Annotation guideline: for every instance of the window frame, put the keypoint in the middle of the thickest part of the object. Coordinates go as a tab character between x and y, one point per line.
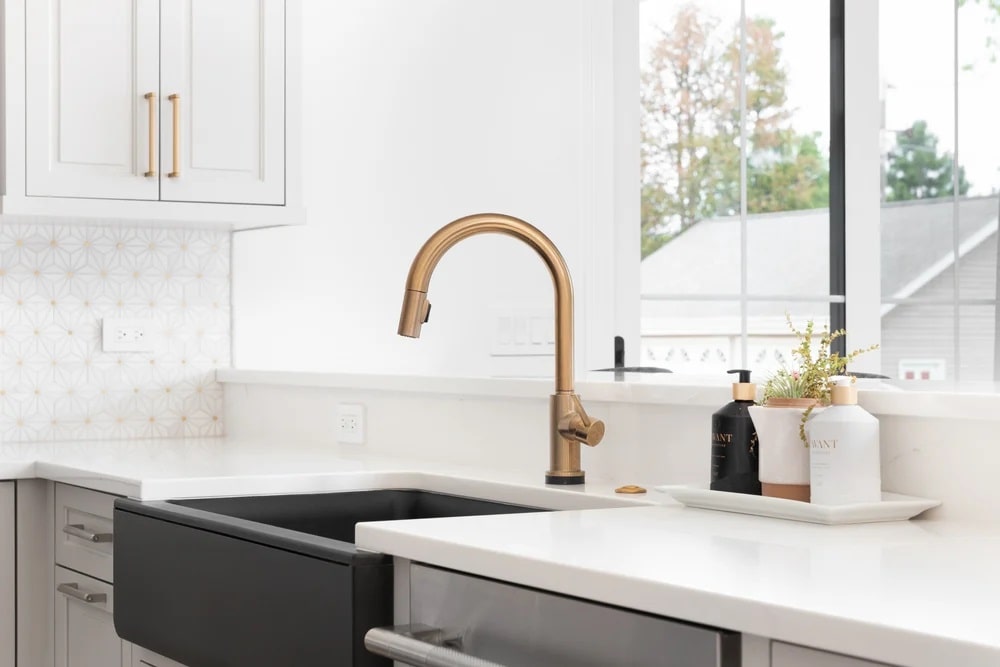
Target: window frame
856	299
863	197
841	163
838	241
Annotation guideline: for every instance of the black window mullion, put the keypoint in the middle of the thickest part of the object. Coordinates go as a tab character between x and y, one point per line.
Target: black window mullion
838	241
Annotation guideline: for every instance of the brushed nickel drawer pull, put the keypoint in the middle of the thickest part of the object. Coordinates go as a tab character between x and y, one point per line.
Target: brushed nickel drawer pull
79	530
73	591
399	644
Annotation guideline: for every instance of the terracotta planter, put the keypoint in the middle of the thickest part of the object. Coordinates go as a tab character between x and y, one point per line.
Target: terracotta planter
783	457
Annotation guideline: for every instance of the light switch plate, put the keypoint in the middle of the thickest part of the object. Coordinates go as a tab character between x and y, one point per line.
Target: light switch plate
126	335
523	332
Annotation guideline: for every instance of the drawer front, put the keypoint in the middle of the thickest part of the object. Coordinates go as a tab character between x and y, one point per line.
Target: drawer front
85	631
84	534
519	626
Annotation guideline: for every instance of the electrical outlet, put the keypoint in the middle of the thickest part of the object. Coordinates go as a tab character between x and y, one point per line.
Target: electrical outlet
351	423
121	335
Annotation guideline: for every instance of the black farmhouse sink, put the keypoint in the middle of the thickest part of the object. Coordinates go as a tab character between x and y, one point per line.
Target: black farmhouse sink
263	580
334	515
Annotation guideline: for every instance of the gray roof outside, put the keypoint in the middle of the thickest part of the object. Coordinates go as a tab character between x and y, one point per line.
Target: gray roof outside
788	254
927	331
918	233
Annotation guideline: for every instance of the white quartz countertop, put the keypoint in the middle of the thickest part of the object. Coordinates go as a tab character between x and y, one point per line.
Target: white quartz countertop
916	593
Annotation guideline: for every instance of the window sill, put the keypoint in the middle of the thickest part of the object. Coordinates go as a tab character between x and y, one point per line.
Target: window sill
940	400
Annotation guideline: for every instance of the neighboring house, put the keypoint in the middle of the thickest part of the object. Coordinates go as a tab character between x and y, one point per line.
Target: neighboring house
789	256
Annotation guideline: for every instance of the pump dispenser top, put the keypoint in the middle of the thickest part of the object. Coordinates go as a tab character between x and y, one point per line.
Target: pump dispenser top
744	390
843	392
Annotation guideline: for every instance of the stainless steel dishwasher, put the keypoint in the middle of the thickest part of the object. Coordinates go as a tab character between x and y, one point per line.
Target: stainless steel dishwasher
458	620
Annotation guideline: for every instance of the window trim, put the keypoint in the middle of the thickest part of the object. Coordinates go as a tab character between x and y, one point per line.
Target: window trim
862	180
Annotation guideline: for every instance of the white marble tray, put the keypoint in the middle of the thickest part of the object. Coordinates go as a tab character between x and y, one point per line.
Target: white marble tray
894	507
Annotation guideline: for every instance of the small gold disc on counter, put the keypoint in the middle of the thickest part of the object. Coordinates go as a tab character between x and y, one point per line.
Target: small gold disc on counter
630	488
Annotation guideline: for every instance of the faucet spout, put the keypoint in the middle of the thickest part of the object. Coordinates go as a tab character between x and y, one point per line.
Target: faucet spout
570	424
416	310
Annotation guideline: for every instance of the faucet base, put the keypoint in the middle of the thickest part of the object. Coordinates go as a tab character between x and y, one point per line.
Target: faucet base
565	480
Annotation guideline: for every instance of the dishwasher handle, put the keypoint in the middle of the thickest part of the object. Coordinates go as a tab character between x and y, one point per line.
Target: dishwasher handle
400	644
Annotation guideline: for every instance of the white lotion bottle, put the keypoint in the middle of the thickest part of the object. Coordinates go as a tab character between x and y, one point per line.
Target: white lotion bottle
844	464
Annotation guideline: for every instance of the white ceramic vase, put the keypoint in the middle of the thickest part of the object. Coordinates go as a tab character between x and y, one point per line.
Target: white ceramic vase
783	456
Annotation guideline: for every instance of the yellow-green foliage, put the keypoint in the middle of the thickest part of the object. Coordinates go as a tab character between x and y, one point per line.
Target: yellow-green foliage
811	379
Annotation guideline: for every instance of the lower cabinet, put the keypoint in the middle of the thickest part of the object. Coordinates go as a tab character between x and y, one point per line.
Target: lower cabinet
83	538
84	625
8	574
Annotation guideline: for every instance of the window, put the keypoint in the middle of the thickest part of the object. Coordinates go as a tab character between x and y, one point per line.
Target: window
736	180
744	208
940	180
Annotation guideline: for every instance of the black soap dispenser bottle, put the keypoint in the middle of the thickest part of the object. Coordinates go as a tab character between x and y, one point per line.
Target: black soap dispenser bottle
734	441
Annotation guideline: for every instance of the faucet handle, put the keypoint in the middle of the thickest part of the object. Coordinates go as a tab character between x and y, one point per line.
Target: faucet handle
577	425
593	433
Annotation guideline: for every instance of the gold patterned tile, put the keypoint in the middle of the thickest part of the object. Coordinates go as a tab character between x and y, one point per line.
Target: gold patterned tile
56	284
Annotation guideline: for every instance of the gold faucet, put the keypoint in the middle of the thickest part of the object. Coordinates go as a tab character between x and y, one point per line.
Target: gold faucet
570	424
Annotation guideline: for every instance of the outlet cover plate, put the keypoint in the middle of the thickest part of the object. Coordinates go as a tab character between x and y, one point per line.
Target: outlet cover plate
350	423
126	335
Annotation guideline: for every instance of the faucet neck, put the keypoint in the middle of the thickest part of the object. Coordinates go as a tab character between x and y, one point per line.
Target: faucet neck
497	223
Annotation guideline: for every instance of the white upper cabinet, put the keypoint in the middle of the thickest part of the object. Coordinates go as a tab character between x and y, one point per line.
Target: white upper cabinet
87	72
159	110
223	74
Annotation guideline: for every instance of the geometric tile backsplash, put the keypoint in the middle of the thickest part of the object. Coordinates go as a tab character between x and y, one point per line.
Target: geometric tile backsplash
58	281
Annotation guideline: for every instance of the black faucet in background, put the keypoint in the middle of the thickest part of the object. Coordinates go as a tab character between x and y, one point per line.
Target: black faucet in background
620	368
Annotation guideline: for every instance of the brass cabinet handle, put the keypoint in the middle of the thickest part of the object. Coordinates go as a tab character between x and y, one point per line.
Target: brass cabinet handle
151	98
176	100
73	591
78	530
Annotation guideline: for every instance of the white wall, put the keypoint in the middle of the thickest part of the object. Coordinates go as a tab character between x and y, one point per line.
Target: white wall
646	444
418	112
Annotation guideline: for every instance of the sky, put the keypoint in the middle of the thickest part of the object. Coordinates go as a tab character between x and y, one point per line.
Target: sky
917	68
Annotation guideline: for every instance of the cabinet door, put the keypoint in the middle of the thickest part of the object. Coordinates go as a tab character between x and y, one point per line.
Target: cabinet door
87	121
85	628
223	106
7	574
